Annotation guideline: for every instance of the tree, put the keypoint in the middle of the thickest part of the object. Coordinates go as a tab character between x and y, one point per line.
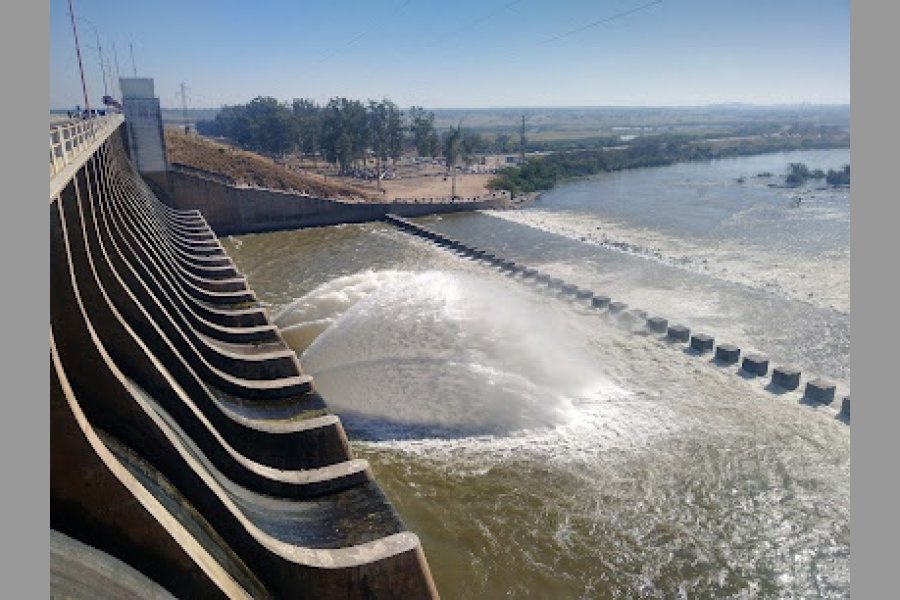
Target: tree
434	144
841	177
308	125
263	125
502	143
395	132
797	174
452	146
422	129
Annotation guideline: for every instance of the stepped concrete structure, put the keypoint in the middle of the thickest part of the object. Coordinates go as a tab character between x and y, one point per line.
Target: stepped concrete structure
190	454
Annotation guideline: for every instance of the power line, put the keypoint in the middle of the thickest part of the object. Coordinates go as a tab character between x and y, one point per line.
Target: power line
477	21
364	33
601	21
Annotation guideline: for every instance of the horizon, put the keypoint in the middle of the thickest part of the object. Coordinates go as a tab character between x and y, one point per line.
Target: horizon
549	107
507	54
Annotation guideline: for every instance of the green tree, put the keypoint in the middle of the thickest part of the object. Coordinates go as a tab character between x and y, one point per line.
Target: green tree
422	129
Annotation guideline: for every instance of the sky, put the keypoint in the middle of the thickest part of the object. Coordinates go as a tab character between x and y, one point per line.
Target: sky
461	53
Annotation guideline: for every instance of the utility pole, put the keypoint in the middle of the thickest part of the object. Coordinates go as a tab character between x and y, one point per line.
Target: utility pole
87	104
102	68
131	49
118	76
184	113
522	141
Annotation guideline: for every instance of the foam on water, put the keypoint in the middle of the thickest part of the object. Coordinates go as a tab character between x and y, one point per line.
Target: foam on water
822	281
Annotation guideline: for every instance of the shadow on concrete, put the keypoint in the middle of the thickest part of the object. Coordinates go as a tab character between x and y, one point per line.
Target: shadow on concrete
807	401
777	389
747	374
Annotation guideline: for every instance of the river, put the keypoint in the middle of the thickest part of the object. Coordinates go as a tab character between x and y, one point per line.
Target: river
541	449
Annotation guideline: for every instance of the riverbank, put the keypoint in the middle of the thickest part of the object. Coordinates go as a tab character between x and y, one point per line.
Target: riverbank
544	172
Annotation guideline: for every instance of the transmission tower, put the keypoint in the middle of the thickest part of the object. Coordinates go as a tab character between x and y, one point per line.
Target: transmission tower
522	141
131	50
184	110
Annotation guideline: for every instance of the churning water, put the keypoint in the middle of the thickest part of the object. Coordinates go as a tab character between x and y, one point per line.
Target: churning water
542	450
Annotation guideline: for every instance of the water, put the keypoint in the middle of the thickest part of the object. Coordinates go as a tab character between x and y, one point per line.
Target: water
541	450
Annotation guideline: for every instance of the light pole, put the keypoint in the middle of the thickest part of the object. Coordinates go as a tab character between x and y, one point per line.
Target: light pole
87	104
100	53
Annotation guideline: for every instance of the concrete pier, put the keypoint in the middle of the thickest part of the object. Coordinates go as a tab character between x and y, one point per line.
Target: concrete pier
702	342
819	390
678	333
599	301
657	324
787	377
727	353
755	364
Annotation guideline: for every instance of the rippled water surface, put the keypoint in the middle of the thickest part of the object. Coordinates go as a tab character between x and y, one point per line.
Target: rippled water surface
542	450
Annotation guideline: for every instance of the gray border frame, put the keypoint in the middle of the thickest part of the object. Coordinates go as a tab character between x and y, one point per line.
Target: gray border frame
874	290
25	52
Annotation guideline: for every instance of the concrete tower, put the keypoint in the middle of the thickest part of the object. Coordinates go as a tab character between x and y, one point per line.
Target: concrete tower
143	121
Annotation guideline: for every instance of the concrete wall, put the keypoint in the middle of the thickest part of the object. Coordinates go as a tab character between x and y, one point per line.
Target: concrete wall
233	210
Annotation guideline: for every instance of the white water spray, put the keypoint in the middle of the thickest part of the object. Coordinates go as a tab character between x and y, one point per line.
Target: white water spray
442	353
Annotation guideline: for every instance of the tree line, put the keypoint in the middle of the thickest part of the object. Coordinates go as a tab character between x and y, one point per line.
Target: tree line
798	173
543	172
343	131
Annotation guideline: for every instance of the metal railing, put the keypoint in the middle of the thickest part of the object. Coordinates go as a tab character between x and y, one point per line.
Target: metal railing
70	139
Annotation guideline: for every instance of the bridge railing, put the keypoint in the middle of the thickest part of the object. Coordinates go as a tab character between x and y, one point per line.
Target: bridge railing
70	139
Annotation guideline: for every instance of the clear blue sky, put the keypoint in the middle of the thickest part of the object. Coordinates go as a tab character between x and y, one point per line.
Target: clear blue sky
464	53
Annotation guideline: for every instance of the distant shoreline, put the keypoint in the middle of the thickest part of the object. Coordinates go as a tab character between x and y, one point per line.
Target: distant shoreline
580	163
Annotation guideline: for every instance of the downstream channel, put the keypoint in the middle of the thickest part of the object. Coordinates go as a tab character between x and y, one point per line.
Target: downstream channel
541	449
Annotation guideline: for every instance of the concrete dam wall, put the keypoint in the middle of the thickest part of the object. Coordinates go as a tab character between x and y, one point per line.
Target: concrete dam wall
189	450
229	209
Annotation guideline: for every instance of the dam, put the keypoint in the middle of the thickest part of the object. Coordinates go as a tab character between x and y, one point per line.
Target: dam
190	452
513	404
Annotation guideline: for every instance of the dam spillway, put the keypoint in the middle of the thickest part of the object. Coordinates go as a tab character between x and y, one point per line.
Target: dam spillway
186	441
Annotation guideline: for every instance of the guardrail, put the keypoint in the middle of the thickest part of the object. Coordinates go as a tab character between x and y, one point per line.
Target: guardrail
69	140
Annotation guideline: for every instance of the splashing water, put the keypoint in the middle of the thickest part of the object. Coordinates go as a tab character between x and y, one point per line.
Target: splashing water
441	354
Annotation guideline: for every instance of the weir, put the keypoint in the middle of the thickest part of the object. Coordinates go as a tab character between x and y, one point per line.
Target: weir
189	450
785	378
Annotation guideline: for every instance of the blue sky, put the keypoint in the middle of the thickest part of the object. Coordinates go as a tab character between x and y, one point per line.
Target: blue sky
464	53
